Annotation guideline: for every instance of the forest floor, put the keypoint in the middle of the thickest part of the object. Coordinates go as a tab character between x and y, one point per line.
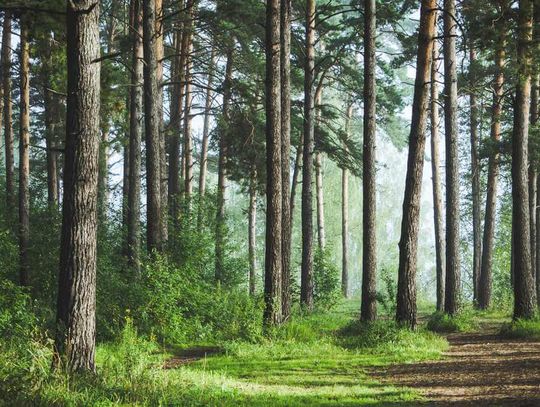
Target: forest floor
480	368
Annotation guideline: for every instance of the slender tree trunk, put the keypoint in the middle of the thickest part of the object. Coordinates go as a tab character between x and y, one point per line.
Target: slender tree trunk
206	127
436	180
524	292
51	120
286	228
135	138
345	214
533	178
188	142
306	283
369	243
273	258
296	174
321	235
24	156
475	179
484	292
222	175
252	238
452	294
163	170
408	245
8	111
76	323
154	230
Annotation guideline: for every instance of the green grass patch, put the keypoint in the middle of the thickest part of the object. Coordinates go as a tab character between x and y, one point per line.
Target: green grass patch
319	359
522	328
465	321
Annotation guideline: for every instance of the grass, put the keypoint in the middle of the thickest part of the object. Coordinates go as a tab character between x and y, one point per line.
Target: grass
320	359
522	328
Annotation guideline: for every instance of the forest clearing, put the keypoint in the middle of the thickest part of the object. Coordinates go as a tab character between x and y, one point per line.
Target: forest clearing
269	203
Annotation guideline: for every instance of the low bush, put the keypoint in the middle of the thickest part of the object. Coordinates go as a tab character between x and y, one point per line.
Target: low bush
444	323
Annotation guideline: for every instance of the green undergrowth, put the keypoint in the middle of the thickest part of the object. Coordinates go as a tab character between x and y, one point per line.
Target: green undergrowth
320	359
522	328
464	321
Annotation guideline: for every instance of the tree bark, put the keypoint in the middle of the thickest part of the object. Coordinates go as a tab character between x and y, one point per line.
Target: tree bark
163	170
436	180
135	139
296	174
475	179
345	214
533	178
368	311
8	112
154	230
452	287
222	174
408	245
76	328
524	292
24	156
273	258
485	284
252	238
306	283
286	229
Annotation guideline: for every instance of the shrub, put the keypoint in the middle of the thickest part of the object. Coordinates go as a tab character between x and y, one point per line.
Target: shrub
326	287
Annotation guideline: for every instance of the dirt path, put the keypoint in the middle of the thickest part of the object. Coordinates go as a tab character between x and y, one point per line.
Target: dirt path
479	369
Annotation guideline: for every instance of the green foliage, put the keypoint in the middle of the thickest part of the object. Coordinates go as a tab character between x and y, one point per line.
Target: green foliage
462	322
522	328
326	290
388	297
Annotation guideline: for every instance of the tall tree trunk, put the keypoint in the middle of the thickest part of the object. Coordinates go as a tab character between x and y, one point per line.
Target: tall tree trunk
163	170
154	235
436	180
475	178
206	126
135	138
306	283
524	292
8	111
286	228
252	238
484	292
408	245
76	323
176	121
321	235
452	287
369	242
222	175
188	142
273	258
51	119
24	157
533	179
345	214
